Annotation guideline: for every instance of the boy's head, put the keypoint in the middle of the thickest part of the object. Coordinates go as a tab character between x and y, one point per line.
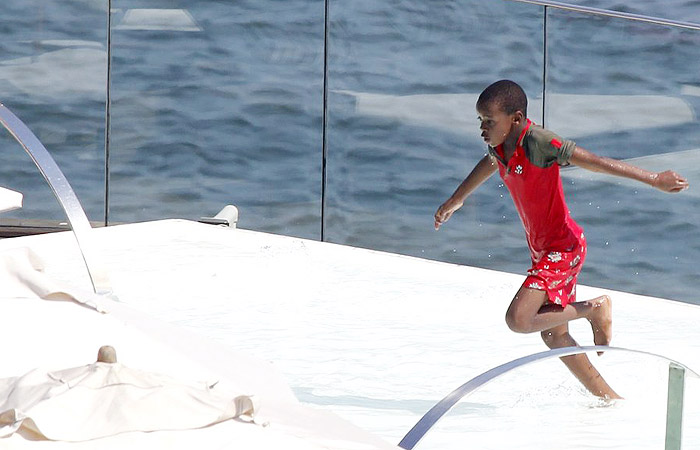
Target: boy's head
507	95
502	109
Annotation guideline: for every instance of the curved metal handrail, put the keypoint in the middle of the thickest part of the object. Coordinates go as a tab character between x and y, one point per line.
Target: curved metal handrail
614	14
443	406
62	190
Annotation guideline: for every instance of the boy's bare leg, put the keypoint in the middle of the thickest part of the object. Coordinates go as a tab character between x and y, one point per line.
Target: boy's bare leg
579	365
531	311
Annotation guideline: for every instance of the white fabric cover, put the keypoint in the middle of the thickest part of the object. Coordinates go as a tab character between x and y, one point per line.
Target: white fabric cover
22	276
103	399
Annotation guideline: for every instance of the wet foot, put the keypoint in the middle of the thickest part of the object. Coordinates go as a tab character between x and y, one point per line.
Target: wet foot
601	320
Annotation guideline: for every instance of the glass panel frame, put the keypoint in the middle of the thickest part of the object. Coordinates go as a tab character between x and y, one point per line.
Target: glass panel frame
629	99
402	126
54	78
217	103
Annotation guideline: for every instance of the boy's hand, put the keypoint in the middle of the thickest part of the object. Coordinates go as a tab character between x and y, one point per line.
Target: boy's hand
445	211
670	181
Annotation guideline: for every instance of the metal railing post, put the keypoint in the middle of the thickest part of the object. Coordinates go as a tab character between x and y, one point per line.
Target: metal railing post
64	194
324	131
674	409
544	66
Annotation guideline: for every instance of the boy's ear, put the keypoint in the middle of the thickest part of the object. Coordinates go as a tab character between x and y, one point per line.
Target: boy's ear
518	117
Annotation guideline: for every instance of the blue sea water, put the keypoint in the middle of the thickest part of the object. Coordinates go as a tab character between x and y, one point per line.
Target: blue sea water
218	102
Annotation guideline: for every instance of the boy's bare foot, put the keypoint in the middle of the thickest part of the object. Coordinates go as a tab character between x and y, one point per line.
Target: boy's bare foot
601	320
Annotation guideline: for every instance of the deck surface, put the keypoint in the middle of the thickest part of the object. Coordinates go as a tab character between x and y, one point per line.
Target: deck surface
379	338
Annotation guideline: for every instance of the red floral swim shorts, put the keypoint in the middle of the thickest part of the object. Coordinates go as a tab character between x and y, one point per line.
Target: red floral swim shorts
557	272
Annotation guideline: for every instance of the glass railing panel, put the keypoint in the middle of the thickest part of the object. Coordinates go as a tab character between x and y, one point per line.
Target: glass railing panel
217	103
403	132
630	90
53	73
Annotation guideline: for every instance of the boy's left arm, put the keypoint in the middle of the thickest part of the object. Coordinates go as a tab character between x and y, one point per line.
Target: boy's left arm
668	181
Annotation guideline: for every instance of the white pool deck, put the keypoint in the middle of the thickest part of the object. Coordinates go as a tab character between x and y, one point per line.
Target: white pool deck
377	338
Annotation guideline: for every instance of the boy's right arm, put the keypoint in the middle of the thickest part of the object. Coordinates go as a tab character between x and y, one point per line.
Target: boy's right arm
481	172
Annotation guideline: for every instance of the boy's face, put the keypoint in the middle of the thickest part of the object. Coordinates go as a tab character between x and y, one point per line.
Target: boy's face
496	125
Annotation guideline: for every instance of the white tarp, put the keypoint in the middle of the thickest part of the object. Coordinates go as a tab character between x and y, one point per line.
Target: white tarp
105	399
22	276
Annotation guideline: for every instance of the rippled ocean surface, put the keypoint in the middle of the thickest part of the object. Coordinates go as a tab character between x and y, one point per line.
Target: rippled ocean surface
217	102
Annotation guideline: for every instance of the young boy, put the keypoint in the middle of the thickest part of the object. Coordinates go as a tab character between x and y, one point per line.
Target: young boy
528	159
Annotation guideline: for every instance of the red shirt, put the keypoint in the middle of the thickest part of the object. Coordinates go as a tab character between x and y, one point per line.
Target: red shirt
532	177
